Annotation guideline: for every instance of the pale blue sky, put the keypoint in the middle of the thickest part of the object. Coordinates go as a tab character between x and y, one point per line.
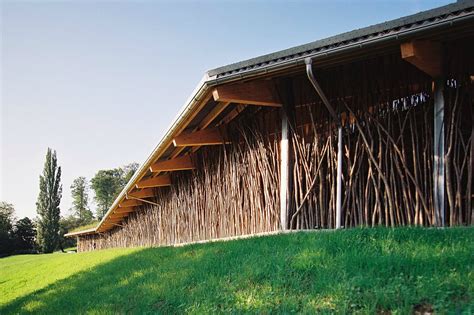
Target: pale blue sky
101	81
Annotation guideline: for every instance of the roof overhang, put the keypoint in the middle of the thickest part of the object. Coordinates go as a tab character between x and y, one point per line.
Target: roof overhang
362	41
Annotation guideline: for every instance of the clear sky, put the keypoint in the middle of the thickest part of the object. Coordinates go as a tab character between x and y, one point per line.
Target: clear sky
100	82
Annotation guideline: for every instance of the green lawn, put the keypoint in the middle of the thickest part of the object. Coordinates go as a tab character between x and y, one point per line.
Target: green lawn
355	271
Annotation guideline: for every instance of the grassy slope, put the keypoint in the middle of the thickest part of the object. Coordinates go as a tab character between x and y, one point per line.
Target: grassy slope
360	270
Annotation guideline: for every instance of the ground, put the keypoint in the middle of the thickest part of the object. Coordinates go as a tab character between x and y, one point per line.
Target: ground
401	270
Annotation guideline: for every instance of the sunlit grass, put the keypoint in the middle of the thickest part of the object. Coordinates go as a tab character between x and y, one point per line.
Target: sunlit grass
353	271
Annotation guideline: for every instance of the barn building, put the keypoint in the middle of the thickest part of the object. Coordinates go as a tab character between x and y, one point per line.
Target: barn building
370	127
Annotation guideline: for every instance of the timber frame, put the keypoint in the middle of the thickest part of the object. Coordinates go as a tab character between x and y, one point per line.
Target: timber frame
268	84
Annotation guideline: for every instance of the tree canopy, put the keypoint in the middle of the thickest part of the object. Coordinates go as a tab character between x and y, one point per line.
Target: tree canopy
80	200
107	184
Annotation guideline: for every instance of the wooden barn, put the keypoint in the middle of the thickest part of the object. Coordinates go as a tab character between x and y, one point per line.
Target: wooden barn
370	127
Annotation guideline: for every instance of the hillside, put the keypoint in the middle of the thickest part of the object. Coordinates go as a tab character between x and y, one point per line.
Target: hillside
359	270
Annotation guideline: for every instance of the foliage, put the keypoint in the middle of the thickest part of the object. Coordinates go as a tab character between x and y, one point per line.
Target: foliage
378	270
66	224
91	225
6	224
107	184
128	171
48	203
80	199
24	234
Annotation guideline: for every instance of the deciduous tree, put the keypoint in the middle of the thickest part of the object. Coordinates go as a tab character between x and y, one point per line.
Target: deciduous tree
48	202
80	200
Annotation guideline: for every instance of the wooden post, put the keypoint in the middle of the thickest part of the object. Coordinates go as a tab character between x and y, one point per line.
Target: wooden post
339	179
284	171
438	151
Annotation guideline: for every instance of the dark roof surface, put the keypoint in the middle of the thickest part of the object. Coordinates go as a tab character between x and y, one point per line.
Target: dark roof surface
351	37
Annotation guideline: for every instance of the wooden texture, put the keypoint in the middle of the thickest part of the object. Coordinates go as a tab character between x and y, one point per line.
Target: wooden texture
177	164
158	181
144	193
130	203
124	209
260	93
425	55
210	136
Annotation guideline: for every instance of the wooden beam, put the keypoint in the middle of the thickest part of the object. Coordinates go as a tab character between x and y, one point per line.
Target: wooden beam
260	93
425	55
232	114
177	164
158	181
144	193
219	108
119	215
130	203
210	136
124	210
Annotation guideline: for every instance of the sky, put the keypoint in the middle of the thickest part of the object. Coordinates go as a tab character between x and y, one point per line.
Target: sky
101	81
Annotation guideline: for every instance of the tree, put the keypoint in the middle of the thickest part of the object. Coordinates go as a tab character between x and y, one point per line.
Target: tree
48	202
66	224
6	224
80	200
107	184
24	233
128	171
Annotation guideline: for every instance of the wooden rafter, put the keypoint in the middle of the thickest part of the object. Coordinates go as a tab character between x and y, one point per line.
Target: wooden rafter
210	136
425	55
144	193
158	181
124	210
130	203
260	93
177	164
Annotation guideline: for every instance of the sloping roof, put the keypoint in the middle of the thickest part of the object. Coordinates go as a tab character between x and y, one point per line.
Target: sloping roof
442	17
352	37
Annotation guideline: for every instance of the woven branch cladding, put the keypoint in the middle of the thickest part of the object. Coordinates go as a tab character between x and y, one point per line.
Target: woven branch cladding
386	107
234	191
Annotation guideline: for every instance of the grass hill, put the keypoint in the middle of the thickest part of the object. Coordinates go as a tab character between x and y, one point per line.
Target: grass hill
401	270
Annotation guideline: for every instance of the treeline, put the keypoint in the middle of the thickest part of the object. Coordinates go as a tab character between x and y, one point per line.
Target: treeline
45	233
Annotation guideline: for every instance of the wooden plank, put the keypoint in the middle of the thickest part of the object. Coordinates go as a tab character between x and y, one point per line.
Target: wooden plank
425	55
118	215
144	193
232	114
177	164
124	209
260	93
219	108
130	203
158	181
210	136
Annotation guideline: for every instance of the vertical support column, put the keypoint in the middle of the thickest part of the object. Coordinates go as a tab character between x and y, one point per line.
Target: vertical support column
284	171
438	151
339	179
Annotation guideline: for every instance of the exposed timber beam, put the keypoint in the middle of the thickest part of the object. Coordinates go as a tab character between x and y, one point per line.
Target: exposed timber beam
124	210
130	203
260	93
210	136
144	193
216	111
425	55
177	164
158	181
118	215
